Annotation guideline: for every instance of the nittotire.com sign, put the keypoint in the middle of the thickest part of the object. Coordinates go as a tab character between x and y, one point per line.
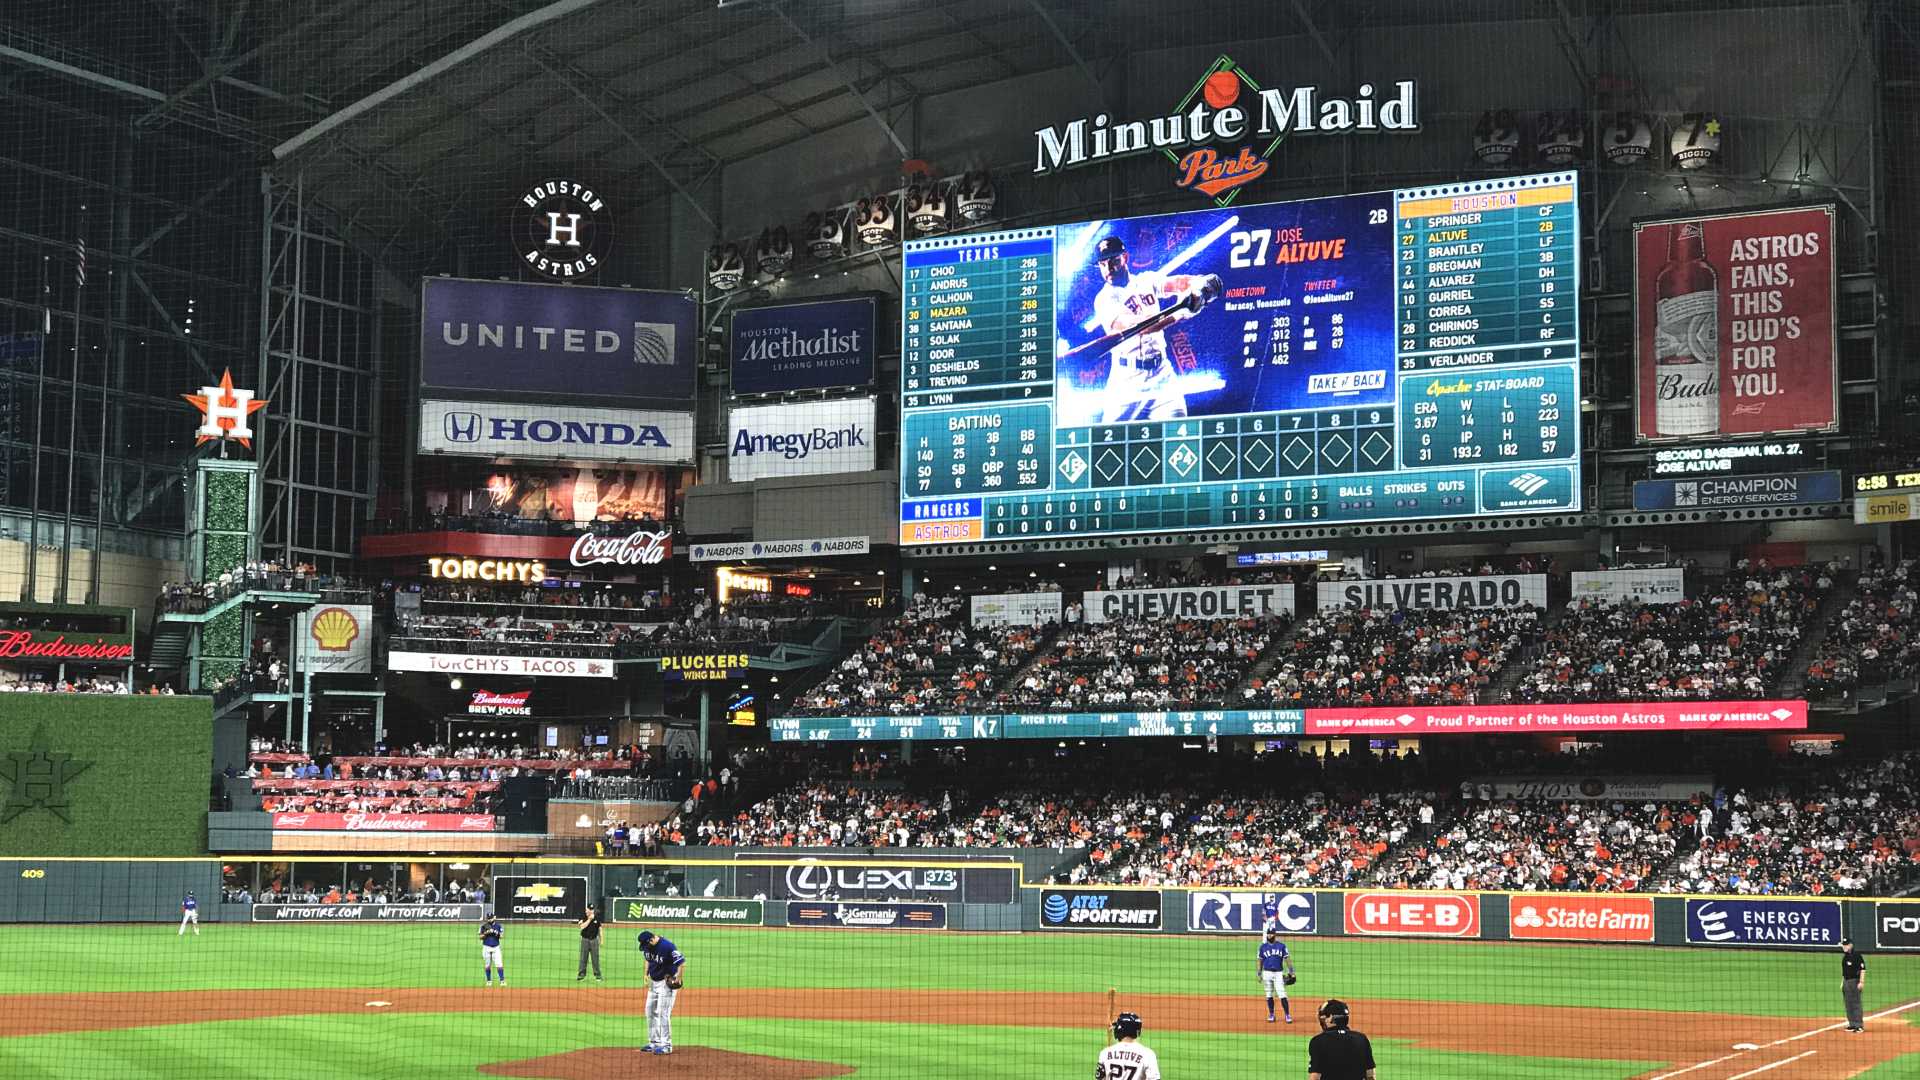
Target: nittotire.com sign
367	912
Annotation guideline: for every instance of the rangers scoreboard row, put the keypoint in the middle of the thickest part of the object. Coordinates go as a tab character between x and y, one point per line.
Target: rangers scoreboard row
1387	356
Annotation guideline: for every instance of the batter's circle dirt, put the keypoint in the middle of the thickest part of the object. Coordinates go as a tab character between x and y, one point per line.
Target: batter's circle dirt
624	1061
1676	1039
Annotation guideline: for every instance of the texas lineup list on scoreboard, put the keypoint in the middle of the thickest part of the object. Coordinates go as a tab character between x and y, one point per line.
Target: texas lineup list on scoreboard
1386	356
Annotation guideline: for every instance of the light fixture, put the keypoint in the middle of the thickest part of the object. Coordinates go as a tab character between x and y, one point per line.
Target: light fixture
458	866
583	822
454	683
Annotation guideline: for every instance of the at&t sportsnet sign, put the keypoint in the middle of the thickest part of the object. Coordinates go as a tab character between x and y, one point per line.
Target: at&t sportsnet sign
1227	106
1100	909
1797	924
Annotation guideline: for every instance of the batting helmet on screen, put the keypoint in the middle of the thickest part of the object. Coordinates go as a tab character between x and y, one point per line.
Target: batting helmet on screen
1335	1011
1126	1026
1110	254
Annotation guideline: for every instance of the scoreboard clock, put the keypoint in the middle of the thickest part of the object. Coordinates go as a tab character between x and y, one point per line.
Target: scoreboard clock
1382	357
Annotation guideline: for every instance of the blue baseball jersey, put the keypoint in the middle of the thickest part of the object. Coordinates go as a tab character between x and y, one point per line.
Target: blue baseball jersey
490	932
1273	955
663	959
189	904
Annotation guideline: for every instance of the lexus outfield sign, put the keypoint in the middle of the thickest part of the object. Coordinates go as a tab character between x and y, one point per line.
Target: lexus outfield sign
555	432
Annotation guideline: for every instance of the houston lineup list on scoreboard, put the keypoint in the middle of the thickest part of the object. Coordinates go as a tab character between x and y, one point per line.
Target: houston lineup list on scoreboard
1388	356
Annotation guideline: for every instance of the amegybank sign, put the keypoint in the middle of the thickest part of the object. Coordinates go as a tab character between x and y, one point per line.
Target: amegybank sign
800	439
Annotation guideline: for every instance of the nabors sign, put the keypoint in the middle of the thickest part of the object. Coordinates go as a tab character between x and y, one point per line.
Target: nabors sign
1227	106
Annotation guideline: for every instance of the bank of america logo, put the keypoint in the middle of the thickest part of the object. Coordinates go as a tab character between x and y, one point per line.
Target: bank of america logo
462	427
653	343
1528	484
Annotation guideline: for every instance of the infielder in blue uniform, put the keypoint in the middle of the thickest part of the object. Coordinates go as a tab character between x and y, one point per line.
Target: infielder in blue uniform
490	956
664	965
1276	971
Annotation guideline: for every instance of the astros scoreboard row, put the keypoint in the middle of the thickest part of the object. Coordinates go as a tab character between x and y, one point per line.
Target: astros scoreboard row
1388	356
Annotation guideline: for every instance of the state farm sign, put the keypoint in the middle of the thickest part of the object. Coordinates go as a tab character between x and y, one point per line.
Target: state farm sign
1421	914
1581	918
639	548
386	822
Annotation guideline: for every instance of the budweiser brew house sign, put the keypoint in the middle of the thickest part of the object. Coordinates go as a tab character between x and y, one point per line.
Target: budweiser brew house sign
639	548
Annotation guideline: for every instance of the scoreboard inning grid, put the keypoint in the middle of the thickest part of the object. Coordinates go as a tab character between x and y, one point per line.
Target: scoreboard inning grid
1387	356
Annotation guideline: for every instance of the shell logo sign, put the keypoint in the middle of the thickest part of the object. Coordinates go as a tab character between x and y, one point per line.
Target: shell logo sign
335	630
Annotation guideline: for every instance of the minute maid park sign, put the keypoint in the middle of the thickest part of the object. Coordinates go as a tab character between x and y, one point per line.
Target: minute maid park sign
1227	106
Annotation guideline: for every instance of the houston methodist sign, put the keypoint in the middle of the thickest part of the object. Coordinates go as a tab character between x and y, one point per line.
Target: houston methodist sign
1227	106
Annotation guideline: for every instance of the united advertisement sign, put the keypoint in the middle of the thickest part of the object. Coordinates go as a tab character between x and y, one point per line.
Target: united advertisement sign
1211	911
507	340
803	346
1788	924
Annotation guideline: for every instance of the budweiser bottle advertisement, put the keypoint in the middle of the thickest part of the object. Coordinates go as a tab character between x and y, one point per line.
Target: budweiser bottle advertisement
1686	338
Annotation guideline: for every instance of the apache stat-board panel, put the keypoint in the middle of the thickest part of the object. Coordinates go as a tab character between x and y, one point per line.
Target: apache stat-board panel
1381	357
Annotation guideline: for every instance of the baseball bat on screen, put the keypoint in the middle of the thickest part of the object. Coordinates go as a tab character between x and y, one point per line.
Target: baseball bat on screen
1180	259
1161	321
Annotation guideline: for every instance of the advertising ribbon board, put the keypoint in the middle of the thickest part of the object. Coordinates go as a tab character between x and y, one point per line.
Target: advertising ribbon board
696	910
867	916
810	548
1222	602
554	898
367	912
1451	593
1100	909
1794	924
364	822
1596	788
1631	716
1239	912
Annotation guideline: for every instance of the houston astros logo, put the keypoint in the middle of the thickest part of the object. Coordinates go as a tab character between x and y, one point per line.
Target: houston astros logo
562	229
39	779
224	411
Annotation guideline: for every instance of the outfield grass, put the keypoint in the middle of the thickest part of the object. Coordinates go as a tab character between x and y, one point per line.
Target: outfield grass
941	967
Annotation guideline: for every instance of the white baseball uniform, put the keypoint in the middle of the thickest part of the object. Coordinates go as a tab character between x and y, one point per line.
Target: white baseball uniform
1274	984
660	999
1139	383
190	913
1128	1061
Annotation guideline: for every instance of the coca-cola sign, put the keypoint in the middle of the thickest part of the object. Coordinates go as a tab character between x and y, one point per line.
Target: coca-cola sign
639	548
362	822
488	703
24	644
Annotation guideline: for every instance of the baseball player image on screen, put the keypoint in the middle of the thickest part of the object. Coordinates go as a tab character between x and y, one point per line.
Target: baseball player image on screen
1142	380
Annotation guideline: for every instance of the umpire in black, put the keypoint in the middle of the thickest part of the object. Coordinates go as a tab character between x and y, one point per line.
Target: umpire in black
1853	978
1338	1052
590	944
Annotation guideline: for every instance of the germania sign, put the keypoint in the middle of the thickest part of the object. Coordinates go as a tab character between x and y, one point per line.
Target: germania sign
1227	106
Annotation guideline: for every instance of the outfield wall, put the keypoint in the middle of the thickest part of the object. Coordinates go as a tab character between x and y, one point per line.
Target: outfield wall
982	895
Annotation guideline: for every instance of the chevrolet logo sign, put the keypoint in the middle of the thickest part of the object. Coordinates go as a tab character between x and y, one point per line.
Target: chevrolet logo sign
540	891
462	427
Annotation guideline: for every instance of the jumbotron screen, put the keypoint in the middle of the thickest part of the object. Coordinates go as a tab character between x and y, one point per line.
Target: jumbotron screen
1389	356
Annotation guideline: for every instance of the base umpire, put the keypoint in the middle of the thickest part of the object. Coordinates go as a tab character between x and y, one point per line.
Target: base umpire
1338	1052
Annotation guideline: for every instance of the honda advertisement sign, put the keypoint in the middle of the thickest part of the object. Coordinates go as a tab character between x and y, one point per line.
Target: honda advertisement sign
368	912
1415	914
508	339
811	438
1639	716
1734	325
803	346
520	897
1100	909
1221	912
844	879
555	433
868	916
1896	926
1549	917
1794	924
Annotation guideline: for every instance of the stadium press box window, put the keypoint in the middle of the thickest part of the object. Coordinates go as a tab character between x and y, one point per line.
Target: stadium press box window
1381	357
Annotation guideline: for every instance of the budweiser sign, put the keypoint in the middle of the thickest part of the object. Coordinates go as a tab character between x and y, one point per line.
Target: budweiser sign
23	644
386	822
488	703
637	549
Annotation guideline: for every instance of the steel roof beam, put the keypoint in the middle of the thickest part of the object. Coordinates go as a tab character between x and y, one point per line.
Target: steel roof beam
834	66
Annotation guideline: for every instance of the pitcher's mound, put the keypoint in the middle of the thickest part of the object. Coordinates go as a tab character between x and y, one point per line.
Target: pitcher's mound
609	1062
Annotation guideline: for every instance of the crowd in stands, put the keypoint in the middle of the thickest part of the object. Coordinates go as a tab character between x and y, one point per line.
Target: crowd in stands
518	630
1142	663
928	660
1729	641
265	574
369	891
1374	656
1529	846
82	684
1872	640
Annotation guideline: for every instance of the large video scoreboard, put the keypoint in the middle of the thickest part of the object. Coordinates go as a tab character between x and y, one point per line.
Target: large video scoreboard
1389	356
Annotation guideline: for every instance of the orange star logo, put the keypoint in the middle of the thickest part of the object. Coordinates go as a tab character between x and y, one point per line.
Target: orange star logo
224	411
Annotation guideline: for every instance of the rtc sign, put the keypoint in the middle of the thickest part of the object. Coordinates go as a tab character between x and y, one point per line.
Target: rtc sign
1420	914
1210	912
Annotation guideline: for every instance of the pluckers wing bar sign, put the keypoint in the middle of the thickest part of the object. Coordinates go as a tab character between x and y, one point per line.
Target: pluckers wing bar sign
705	667
1221	135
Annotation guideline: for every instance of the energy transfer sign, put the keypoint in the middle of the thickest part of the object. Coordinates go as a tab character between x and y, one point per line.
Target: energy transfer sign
1227	106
